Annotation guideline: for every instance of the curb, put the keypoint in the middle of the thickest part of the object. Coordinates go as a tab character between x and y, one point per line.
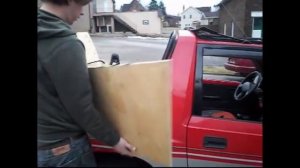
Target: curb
129	34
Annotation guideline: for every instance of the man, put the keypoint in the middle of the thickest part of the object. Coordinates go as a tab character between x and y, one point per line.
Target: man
65	108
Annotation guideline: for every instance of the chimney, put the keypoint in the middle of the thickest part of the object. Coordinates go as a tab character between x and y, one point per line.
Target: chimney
183	8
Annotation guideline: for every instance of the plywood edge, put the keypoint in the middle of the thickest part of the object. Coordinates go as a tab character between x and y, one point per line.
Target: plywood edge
92	58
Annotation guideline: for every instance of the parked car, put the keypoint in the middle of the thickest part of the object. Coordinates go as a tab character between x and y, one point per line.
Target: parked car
189	28
240	65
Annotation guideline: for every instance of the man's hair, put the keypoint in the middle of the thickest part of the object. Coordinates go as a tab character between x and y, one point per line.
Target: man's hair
66	2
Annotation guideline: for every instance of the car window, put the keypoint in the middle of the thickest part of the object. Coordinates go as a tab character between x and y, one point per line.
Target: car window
228	66
222	81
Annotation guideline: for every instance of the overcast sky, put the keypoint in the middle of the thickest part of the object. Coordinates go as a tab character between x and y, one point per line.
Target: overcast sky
173	7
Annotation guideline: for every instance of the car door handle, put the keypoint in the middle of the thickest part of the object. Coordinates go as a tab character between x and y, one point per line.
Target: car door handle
215	142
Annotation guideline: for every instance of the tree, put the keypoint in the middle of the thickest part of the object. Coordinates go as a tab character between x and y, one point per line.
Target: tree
153	5
162	8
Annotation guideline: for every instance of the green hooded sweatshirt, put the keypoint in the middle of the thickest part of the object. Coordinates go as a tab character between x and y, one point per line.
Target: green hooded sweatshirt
65	103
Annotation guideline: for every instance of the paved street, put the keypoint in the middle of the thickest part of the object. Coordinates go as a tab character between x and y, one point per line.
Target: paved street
130	49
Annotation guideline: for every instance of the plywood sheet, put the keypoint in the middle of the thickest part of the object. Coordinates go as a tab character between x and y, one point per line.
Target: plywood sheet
137	98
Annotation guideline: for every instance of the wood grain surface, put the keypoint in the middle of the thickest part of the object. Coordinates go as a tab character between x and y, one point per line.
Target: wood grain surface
137	99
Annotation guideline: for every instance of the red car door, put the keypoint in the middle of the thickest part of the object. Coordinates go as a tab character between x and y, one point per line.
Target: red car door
220	131
223	142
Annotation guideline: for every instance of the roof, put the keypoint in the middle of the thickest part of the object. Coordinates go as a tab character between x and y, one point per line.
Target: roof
207	12
222	2
125	7
173	17
204	9
212	14
135	5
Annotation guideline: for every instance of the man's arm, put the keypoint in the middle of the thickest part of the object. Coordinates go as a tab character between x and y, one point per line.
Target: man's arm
68	71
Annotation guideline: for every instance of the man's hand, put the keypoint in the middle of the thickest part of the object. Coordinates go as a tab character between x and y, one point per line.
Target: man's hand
124	148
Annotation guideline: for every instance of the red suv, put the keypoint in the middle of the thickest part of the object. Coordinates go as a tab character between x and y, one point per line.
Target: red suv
216	113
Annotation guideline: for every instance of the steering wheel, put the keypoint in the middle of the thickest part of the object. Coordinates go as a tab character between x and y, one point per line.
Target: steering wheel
248	85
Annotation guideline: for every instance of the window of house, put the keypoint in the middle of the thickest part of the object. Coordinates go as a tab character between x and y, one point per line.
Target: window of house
145	22
103	29
190	16
257	23
257	17
224	29
183	16
257	27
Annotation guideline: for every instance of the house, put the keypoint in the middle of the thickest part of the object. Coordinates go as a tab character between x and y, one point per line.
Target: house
171	21
103	15
201	16
134	6
241	18
210	19
136	19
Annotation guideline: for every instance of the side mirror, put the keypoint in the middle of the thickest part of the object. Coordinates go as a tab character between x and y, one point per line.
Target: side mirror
114	60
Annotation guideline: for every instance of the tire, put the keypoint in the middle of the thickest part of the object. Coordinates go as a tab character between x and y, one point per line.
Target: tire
117	160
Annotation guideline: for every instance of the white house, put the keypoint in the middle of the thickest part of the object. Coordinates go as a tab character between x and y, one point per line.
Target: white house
193	17
189	16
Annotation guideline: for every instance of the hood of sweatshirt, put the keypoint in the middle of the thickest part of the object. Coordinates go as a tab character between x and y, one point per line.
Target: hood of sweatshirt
51	26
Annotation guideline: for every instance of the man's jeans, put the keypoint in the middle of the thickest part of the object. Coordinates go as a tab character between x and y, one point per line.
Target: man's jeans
79	154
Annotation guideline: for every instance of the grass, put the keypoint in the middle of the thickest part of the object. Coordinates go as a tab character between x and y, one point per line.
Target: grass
217	70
